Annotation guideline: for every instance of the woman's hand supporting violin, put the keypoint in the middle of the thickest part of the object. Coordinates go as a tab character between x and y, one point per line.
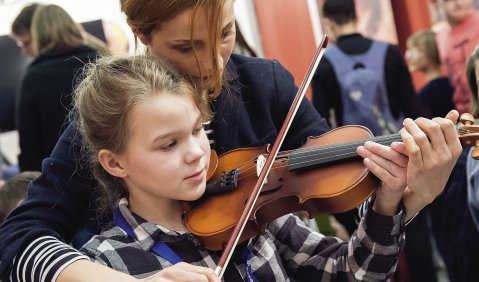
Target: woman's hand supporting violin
431	158
424	161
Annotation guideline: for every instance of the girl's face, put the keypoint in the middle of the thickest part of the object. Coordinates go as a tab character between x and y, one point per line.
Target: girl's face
416	59
172	42
167	153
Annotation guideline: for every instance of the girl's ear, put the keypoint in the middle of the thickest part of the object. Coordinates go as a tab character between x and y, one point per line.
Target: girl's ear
111	163
143	38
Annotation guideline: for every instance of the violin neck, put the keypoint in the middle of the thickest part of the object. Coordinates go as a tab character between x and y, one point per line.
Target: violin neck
308	158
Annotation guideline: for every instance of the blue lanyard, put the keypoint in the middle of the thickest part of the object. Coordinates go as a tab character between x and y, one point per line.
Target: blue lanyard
249	271
161	249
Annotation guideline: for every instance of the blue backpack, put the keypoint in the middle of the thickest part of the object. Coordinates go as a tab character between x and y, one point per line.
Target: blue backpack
363	88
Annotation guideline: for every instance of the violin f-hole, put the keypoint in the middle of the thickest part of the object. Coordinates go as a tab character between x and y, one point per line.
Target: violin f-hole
270	190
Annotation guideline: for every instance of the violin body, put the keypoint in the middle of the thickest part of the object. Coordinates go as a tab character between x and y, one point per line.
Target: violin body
327	188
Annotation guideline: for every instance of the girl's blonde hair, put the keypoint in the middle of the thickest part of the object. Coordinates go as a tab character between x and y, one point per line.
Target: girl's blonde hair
144	16
425	40
103	102
471	79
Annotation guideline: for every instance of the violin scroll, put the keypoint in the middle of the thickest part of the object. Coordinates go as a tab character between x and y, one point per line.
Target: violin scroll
469	134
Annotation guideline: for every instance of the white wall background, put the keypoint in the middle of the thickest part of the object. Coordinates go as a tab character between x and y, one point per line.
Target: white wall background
88	10
246	16
81	11
108	10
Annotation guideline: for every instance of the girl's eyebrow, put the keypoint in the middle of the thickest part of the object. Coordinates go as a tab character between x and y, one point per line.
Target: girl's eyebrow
168	134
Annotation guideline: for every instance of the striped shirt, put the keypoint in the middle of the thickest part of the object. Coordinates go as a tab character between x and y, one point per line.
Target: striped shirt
46	257
43	260
288	251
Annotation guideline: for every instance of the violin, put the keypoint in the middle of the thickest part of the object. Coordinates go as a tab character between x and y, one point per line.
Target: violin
325	175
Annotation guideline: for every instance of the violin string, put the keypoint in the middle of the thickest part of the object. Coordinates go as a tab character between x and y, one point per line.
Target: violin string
317	152
284	166
330	148
316	155
374	139
314	160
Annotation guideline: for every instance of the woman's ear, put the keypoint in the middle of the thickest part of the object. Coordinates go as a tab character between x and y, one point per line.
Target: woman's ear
143	38
111	163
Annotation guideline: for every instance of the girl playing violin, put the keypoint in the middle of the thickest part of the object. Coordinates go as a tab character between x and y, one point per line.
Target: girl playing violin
249	99
149	151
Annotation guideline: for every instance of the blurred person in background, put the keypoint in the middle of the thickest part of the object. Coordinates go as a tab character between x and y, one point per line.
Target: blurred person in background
21	33
422	55
341	21
21	29
455	43
14	191
60	51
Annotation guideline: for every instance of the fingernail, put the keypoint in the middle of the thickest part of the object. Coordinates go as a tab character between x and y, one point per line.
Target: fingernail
407	120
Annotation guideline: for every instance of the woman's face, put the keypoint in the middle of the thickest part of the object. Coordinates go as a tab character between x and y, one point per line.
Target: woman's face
171	41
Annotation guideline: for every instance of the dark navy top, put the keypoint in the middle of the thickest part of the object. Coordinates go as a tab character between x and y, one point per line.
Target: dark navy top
436	97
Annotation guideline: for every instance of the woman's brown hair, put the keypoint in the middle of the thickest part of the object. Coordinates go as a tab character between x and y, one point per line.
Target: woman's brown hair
144	16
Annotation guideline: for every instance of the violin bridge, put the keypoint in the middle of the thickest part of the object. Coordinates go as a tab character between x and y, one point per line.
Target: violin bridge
260	162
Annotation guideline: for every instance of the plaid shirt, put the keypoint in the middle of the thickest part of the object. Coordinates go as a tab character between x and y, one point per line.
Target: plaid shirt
288	251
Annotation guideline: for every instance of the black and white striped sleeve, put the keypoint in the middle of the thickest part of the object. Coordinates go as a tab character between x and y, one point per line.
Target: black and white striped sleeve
43	260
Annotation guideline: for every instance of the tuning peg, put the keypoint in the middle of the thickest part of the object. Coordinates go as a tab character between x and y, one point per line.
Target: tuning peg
467	119
475	153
